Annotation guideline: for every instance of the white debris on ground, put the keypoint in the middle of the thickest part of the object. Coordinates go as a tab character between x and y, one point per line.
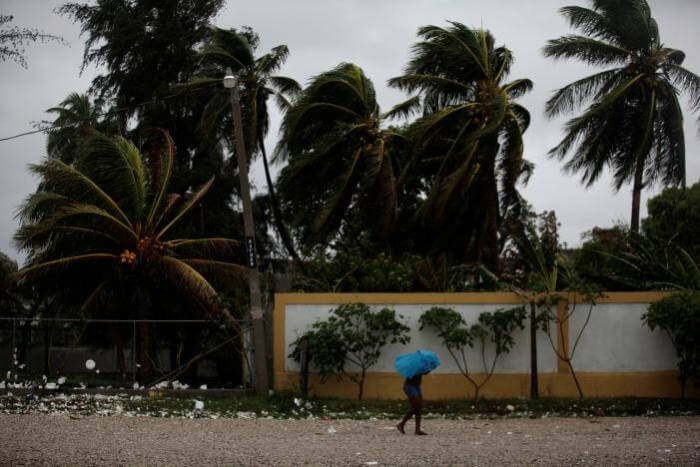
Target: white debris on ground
198	405
90	364
203	386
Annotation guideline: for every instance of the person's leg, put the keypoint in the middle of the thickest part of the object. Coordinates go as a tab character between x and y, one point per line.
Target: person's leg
406	417
417	403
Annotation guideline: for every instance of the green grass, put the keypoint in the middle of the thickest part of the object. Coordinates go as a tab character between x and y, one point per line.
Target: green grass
284	405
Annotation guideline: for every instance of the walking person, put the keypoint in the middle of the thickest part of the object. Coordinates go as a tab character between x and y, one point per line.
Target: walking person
415	399
412	367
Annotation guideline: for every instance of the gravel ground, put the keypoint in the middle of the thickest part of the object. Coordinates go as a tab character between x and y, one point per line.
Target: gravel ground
119	440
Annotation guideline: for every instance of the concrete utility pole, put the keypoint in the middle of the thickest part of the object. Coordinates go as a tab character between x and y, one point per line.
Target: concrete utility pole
256	311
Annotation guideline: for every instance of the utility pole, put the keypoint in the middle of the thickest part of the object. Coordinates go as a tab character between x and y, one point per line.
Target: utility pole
256	311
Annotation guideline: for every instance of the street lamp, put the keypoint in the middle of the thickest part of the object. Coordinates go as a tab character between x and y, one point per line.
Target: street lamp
256	313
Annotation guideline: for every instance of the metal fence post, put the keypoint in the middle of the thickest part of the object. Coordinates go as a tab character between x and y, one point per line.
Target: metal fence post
133	352
14	344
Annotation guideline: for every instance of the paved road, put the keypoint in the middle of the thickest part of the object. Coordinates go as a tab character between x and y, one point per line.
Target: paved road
120	440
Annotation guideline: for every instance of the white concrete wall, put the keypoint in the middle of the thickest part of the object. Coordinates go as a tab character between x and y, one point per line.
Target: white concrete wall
614	340
299	318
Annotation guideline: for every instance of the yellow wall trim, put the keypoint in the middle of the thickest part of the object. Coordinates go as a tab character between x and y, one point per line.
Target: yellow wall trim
501	385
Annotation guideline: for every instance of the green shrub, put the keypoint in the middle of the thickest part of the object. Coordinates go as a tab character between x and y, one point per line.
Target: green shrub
352	333
679	316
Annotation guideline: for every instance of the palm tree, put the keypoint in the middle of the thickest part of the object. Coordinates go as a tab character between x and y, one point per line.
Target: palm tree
470	135
227	48
634	123
101	226
76	117
8	301
339	156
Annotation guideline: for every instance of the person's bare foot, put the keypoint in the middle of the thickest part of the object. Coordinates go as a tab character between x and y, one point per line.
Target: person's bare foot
420	433
400	428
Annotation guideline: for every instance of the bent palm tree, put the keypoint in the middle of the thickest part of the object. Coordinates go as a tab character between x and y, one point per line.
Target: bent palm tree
634	123
338	154
101	226
76	117
226	48
470	134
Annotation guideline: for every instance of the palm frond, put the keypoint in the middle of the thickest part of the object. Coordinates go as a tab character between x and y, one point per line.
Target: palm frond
76	184
285	85
579	92
270	63
219	273
29	234
205	247
591	23
686	81
196	288
588	50
189	204
161	160
60	266
405	109
517	88
339	200
116	165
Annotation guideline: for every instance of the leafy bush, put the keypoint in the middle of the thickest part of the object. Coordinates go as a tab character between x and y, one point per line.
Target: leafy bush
352	333
496	327
679	316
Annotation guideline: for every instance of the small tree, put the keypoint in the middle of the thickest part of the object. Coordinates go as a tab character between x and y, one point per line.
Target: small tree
496	327
550	317
551	280
352	333
679	316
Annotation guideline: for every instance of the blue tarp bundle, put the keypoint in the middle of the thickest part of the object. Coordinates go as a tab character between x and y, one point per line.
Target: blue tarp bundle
420	362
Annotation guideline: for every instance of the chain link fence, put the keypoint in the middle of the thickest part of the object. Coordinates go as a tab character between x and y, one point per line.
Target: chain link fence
78	353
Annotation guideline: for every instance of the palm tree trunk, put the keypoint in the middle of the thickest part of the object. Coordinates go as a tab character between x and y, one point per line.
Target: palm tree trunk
276	211
490	245
636	196
534	378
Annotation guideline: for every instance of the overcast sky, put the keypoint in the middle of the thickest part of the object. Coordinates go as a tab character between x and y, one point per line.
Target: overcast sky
377	36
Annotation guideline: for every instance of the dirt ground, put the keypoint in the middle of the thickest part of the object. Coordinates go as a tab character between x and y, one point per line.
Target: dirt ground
120	440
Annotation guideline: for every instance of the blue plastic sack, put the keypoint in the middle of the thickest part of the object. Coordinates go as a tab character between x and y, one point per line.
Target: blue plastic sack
417	363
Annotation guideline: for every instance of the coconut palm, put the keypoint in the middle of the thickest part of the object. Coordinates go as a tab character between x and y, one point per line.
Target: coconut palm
228	48
76	116
339	156
102	227
470	135
633	123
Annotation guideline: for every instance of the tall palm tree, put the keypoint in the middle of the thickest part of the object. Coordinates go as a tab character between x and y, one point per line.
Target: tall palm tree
76	117
101	226
470	134
339	156
228	48
634	123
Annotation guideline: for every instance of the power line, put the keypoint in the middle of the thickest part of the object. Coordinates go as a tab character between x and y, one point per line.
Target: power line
111	111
